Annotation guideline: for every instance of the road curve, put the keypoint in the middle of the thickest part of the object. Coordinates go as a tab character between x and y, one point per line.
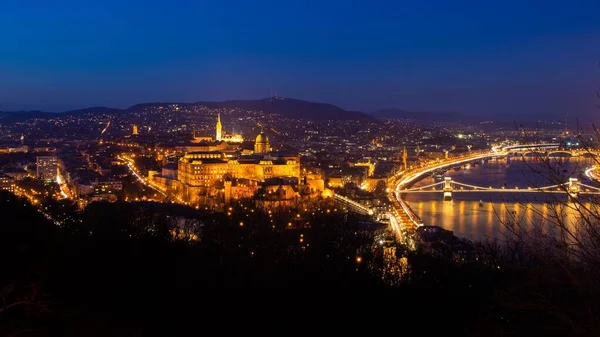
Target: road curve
409	177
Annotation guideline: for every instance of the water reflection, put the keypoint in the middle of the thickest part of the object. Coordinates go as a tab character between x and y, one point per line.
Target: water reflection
470	220
478	216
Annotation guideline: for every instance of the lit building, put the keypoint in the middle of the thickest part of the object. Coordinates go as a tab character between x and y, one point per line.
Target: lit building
47	168
205	147
368	164
135	130
223	136
10	149
262	145
204	169
89	191
220	135
107	187
203	173
199	138
356	175
7	183
16	173
234	138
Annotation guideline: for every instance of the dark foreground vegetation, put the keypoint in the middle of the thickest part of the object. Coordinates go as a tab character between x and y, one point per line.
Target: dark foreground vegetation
119	270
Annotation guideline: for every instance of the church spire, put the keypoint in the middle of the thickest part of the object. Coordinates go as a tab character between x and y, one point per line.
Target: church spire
219	127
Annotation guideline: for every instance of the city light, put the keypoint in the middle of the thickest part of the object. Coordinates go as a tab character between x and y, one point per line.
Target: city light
442	161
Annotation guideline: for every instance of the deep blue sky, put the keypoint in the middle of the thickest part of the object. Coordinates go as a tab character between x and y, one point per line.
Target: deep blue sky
479	57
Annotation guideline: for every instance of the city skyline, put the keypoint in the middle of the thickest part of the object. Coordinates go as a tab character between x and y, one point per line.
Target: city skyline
479	59
174	168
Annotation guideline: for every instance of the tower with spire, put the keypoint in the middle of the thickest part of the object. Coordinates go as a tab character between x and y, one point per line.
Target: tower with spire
219	128
405	158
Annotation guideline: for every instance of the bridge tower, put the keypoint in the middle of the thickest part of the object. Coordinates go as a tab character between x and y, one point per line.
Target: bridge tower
573	187
447	188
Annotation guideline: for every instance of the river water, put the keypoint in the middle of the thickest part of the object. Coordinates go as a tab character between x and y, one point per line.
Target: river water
478	216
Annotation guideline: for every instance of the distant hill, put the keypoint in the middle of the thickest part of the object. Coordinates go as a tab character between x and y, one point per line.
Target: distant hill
99	109
288	107
12	116
31	112
20	115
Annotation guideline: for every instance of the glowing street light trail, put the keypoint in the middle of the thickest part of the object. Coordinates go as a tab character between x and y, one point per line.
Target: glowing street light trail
61	185
106	128
590	173
416	175
139	177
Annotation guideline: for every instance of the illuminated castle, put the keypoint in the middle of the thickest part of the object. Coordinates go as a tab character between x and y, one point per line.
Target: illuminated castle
199	174
207	167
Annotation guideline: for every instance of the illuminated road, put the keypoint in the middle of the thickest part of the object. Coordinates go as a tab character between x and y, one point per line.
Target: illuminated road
139	177
402	216
64	189
592	173
133	170
354	205
20	192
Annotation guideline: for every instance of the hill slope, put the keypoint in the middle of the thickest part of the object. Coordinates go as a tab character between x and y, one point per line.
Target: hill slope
288	107
94	110
12	116
293	108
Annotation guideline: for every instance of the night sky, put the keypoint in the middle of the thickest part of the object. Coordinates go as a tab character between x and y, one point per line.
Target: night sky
478	57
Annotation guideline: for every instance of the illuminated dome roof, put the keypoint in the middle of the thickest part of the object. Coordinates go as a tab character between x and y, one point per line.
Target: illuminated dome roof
262	138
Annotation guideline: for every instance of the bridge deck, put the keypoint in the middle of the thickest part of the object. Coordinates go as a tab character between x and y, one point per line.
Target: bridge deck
493	191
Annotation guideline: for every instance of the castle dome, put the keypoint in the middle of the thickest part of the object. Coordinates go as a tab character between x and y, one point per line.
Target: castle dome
262	138
261	145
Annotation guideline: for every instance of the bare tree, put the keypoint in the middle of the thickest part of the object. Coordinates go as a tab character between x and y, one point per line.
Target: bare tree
19	302
558	246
